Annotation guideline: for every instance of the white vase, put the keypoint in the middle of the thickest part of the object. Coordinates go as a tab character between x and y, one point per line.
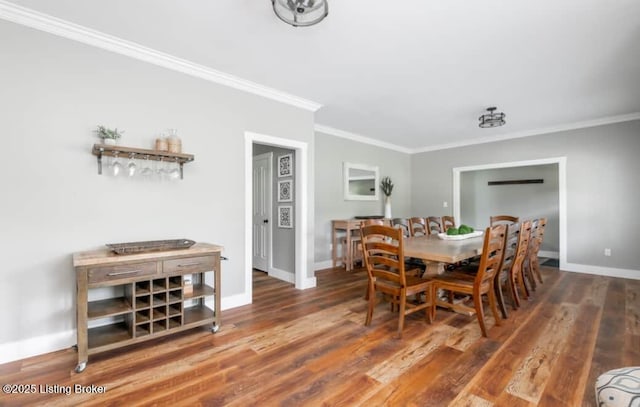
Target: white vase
109	141
387	207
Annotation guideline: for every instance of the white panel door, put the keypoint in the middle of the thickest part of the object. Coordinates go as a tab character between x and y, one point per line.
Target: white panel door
262	186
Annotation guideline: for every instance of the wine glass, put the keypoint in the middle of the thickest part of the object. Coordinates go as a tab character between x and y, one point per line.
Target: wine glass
131	167
146	172
174	173
116	167
160	169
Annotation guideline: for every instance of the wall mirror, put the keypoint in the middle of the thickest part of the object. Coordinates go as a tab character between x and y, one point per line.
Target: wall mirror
360	182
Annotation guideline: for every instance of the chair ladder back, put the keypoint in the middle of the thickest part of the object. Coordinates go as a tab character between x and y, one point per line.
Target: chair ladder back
418	226
522	247
448	222
494	240
542	223
382	247
434	225
533	238
503	219
510	247
402	224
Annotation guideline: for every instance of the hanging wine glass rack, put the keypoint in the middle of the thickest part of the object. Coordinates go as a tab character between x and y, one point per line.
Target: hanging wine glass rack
101	150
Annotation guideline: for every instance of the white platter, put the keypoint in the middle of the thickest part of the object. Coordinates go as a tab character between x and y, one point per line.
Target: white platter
445	236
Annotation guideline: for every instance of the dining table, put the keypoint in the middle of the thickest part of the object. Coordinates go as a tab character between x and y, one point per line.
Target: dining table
437	252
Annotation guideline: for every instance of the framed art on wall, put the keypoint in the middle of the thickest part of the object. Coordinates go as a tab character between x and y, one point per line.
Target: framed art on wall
285	217
285	165
285	191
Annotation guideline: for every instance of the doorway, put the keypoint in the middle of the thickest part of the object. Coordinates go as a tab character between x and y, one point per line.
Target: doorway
562	193
300	211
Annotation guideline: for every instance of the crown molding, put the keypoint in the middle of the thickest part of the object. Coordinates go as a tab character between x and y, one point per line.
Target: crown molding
491	139
361	139
535	132
63	28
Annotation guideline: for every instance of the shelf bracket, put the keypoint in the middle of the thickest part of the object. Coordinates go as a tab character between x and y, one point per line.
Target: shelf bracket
181	170
99	155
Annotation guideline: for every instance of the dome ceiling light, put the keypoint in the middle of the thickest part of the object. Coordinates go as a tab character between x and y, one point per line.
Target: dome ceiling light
492	119
301	13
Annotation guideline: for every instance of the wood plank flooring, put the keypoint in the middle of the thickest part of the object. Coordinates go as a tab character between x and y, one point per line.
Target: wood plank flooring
310	348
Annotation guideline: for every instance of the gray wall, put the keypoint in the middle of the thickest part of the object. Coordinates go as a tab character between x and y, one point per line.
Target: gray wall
479	201
54	93
283	244
331	152
602	185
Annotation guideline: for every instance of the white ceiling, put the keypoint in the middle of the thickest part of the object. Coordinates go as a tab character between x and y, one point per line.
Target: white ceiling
413	73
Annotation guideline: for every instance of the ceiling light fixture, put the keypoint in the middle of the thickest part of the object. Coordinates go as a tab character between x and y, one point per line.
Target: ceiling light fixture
300	13
492	119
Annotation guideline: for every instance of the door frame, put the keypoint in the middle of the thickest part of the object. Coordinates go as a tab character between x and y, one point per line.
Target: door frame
562	193
300	213
270	208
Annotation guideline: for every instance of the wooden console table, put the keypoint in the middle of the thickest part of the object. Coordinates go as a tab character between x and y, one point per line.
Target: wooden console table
349	226
150	298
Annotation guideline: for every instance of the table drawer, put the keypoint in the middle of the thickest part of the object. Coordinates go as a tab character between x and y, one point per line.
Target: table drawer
121	272
189	265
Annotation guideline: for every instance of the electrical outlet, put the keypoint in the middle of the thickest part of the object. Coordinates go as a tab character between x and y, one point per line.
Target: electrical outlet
445	204
607	252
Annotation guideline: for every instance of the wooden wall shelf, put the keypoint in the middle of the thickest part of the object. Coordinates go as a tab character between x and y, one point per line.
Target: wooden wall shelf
101	150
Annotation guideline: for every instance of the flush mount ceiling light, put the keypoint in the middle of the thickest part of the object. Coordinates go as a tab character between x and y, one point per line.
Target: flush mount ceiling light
301	13
492	119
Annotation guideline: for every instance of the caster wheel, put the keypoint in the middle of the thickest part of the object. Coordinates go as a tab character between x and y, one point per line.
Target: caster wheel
81	366
215	329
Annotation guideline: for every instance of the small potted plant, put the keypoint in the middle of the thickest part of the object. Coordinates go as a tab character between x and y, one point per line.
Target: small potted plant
107	135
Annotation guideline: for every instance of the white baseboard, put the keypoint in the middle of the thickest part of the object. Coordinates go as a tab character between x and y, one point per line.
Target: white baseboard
234	301
321	265
36	346
601	271
309	282
282	275
549	254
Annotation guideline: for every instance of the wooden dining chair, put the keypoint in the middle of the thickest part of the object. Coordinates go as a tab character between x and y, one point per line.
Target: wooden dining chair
416	266
503	276
447	223
434	225
383	248
402	224
481	284
534	263
503	219
417	226
516	276
514	254
527	268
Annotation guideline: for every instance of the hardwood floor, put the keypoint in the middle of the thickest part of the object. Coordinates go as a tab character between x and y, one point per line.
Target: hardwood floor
308	348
